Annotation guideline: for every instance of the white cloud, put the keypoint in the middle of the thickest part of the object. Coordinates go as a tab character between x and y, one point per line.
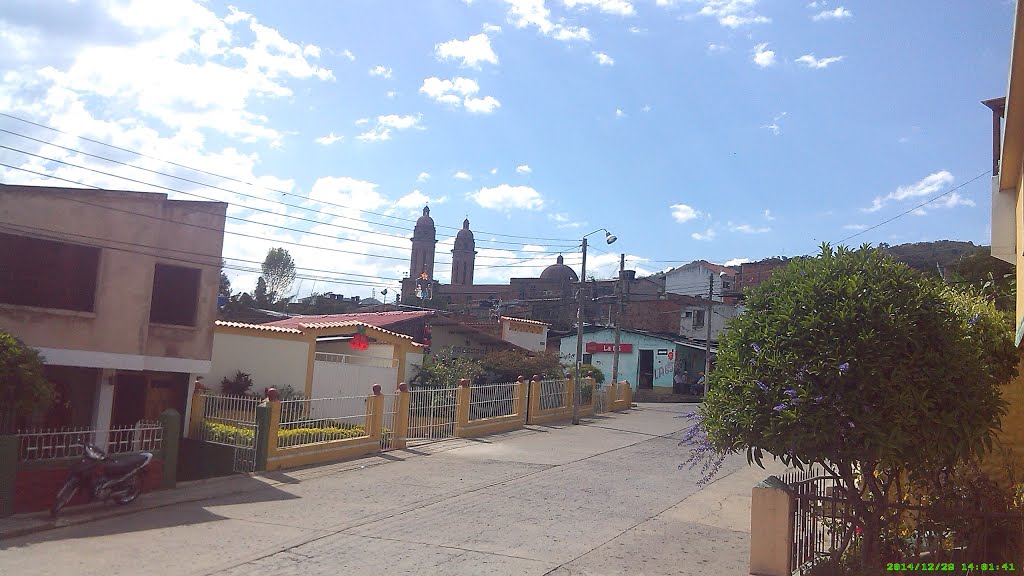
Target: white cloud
376	135
646	108
684	213
531	248
768	215
471	51
311	50
951	201
603	59
854	226
390	94
617	7
927	186
705	236
559	217
729	13
748	229
460	175
839	13
459	92
358	194
811	62
505	196
494	171
636	30
491	28
619	113
381	71
763	57
398	122
526	13
423	177
775	128
329	139
736	262
523	169
348	54
417	199
484	105
712	48
362	121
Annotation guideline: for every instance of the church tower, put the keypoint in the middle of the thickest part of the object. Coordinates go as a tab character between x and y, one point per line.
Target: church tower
424	238
463	256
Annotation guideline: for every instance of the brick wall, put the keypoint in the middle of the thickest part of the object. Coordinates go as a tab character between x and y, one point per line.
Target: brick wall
653	316
35	489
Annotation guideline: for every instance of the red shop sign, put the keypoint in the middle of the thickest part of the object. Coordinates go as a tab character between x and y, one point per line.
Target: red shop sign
600	347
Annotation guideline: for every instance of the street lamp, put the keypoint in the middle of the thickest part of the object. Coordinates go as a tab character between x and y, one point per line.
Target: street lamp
578	388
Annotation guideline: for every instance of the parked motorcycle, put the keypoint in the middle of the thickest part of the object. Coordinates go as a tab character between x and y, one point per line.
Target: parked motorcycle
104	478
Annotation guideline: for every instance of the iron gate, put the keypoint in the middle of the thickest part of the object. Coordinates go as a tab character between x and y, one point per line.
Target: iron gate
231	421
432	413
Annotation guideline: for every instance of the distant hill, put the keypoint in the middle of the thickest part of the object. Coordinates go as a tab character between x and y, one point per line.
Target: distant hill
924	256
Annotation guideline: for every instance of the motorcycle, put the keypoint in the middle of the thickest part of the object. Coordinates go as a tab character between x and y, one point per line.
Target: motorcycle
103	478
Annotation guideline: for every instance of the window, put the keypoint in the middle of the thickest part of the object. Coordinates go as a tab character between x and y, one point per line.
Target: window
698	318
726	284
688	314
588	358
175	295
48	274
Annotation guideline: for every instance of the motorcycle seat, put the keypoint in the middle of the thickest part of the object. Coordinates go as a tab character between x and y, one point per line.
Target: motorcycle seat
125	464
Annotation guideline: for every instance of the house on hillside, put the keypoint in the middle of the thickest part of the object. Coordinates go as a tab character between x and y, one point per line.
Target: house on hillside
1008	214
118	291
753	273
696	278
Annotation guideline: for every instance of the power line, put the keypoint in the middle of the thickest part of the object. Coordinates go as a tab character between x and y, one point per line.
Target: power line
214	187
246	220
214	174
923	204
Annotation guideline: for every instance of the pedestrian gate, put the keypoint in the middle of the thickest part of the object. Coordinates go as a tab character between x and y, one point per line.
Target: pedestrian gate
432	413
231	421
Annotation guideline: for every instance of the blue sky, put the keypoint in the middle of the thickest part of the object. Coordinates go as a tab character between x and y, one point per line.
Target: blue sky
693	129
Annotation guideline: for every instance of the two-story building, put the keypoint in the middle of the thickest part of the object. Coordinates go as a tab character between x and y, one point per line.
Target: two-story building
117	290
694	319
697	278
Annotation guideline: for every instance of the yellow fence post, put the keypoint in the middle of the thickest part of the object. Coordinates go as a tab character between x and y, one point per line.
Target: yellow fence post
570	392
534	400
462	407
588	407
273	427
401	431
521	395
195	419
610	401
629	394
375	413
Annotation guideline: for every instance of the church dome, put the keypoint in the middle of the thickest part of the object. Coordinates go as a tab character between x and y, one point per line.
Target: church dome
559	271
465	236
425	220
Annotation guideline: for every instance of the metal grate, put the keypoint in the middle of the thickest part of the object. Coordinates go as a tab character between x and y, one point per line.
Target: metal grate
553	394
387	439
432	412
57	443
321	420
492	401
231	421
822	518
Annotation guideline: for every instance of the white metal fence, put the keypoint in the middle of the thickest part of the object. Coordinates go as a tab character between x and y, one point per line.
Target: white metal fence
553	394
231	421
432	413
600	399
321	420
387	439
492	400
56	443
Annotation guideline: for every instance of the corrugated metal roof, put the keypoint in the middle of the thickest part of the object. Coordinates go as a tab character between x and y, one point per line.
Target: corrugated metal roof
525	321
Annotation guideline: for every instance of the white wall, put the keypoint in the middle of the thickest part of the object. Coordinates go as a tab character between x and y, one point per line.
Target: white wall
412	360
334	379
693	281
721	312
529	340
270	361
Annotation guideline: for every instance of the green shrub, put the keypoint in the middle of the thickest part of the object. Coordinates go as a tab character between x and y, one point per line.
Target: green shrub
238	385
300	436
23	388
587	392
590	369
228	433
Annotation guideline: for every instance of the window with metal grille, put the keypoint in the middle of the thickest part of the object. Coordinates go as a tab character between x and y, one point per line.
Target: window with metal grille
47	273
175	295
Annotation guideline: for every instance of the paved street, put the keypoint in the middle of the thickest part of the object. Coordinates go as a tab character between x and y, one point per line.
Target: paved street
603	498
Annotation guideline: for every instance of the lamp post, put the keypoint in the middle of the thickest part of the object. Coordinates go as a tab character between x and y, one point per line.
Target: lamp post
578	386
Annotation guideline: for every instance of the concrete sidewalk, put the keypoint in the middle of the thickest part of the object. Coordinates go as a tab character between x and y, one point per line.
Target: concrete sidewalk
603	498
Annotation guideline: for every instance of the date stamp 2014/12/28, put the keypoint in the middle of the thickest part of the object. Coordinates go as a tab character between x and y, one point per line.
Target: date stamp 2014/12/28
949	567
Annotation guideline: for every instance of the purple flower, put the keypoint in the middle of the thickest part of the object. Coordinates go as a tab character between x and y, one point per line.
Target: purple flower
762	385
844	367
974	320
757	349
795	401
818	399
791	393
850	424
780	407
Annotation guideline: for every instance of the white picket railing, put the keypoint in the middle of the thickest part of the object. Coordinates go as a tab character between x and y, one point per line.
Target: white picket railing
492	401
57	443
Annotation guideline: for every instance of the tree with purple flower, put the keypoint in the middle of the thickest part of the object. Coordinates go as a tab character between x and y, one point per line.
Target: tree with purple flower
846	343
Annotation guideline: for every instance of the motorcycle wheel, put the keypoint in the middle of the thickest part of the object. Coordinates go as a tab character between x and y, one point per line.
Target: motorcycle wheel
131	491
66	493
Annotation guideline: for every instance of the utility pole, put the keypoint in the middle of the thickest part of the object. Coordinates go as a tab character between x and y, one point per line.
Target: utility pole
578	386
618	317
707	320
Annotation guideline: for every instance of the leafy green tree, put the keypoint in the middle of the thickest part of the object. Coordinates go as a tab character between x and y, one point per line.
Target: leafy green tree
445	369
594	371
858	364
24	390
261	296
279	273
225	282
507	365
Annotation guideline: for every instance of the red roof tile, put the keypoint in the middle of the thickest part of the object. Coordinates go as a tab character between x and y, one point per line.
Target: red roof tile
378	319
